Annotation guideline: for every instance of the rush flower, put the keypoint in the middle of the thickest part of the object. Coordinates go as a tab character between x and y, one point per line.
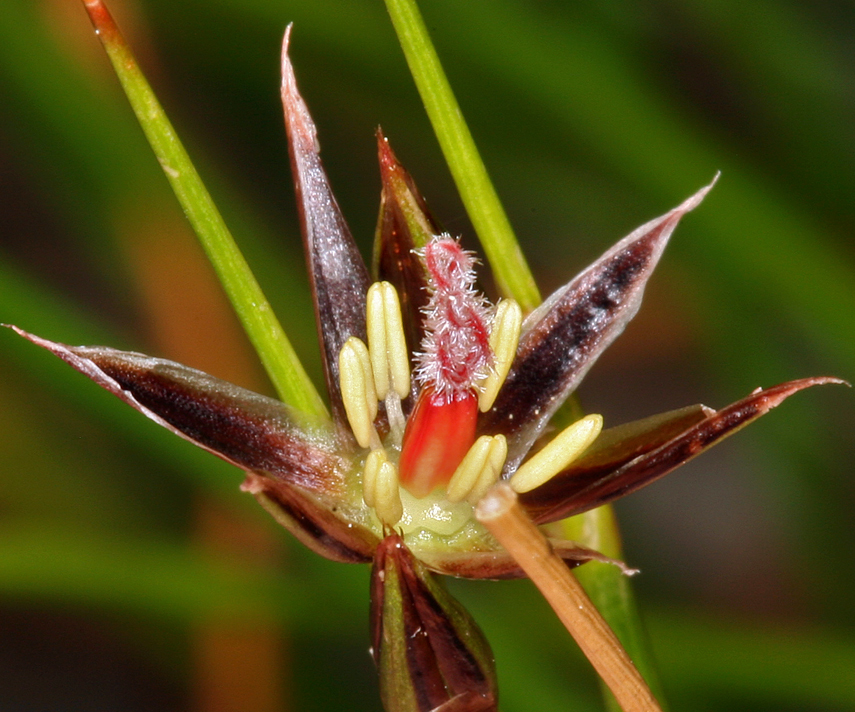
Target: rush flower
435	395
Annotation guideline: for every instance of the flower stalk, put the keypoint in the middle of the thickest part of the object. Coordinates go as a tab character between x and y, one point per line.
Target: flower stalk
512	273
513	277
500	511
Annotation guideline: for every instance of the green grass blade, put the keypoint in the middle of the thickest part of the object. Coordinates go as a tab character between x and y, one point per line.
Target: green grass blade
510	269
609	590
267	336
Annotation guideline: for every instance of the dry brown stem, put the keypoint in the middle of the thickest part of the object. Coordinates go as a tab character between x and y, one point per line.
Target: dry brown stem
501	513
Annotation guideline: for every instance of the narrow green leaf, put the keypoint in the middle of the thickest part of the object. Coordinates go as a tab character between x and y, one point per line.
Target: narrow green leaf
609	590
267	336
510	269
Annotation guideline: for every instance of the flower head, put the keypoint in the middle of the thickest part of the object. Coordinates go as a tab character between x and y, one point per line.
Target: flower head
435	394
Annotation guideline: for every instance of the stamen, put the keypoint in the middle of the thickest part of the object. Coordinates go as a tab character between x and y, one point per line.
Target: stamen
559	453
380	487
375	324
504	340
396	343
388	350
496	461
479	469
357	391
388	347
387	497
468	472
373	462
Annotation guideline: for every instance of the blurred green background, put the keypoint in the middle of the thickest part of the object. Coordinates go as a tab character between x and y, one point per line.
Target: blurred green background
133	573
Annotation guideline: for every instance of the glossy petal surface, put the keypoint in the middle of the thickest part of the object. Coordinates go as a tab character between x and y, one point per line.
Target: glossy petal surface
584	485
563	337
404	225
430	652
300	474
337	271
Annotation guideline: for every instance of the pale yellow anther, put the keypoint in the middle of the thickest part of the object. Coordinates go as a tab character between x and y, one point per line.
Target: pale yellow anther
373	463
396	342
387	496
491	472
504	339
386	342
466	475
559	453
380	487
375	322
479	469
357	391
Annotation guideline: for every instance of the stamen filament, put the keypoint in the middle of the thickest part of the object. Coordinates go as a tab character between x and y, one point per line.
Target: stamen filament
559	453
504	340
395	414
357	391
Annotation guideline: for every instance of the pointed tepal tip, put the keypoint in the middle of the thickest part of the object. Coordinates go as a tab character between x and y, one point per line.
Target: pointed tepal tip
383	147
52	346
18	330
818	381
702	193
695	200
661	228
386	156
290	95
772	397
298	121
287	68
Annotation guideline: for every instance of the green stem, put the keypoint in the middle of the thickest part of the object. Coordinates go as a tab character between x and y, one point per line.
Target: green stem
510	269
287	374
610	591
